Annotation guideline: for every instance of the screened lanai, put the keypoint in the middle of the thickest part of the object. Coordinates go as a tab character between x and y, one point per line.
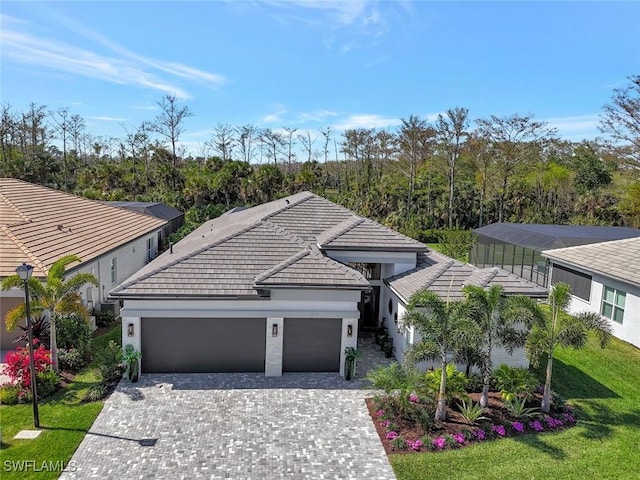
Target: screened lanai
517	247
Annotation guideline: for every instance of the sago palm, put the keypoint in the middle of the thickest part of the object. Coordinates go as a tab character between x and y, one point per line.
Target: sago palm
558	328
56	297
502	323
445	328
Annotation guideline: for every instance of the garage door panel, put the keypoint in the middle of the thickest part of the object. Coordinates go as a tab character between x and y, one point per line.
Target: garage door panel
311	344
203	345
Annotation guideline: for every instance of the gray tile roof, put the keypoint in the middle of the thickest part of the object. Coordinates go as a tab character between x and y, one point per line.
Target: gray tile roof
272	245
357	233
618	259
446	277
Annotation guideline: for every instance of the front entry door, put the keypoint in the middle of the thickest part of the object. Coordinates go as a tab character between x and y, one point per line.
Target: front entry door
369	309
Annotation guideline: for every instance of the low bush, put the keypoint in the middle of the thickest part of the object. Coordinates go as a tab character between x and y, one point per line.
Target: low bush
74	332
71	360
18	361
514	382
96	392
10	394
104	318
456	383
47	382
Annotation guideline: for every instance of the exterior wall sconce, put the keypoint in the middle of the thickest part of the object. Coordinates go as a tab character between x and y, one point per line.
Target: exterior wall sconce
274	330
130	330
349	330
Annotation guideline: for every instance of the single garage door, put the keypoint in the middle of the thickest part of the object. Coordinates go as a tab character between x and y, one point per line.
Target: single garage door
311	344
203	345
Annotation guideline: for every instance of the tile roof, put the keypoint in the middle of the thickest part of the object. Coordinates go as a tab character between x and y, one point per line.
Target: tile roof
618	259
155	209
38	225
273	244
446	277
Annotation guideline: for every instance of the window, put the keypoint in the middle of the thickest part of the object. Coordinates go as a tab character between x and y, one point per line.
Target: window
580	282
613	304
151	251
114	272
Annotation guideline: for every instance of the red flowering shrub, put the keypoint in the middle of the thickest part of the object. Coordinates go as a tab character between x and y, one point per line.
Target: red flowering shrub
17	367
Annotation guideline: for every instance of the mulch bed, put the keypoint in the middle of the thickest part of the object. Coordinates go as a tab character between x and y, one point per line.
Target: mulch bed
496	412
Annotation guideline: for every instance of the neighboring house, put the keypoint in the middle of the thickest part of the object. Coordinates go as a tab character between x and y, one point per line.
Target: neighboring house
447	277
604	278
173	216
38	225
517	247
281	287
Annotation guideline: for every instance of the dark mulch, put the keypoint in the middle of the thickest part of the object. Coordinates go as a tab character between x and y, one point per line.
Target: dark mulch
495	412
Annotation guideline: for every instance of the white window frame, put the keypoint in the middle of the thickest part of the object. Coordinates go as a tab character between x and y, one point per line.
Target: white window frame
614	304
114	270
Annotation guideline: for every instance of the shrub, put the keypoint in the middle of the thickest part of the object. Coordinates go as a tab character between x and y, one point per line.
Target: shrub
73	332
96	392
517	407
393	377
514	382
9	394
456	383
110	363
17	367
474	383
398	443
104	318
71	360
47	382
471	411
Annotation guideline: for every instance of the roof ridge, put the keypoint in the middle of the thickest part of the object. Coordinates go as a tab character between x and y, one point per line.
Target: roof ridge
178	259
24	249
13	206
441	268
288	204
283	231
339	229
282	265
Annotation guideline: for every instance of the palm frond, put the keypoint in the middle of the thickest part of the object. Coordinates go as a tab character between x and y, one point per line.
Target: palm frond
597	324
58	268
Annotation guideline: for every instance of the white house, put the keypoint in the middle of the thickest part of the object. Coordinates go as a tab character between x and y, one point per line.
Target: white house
281	287
38	225
604	278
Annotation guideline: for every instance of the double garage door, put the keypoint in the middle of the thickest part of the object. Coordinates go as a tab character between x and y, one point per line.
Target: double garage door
220	345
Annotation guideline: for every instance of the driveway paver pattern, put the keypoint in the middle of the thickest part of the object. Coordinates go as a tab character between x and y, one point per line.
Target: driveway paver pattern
234	426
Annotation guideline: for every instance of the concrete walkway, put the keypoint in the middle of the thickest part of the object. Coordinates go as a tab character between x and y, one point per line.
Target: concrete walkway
235	426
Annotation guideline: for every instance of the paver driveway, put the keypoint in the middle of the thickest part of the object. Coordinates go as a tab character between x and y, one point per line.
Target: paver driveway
236	426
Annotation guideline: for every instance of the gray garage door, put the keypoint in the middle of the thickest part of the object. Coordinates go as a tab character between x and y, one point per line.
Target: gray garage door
311	345
199	345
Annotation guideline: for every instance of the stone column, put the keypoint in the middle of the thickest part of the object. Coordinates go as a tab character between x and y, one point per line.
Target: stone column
348	341
273	350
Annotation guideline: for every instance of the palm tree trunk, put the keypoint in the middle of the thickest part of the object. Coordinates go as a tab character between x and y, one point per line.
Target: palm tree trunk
441	408
546	396
484	398
54	344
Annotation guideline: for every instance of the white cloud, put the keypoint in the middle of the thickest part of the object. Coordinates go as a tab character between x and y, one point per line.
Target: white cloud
576	127
105	118
366	121
122	67
276	116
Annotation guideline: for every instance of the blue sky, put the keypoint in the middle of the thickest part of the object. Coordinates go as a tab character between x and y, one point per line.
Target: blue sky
312	64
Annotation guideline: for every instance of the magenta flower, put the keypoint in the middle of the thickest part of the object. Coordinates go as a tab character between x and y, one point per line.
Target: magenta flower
499	429
479	434
458	437
392	435
439	442
518	427
380	413
568	418
553	422
413	398
536	425
385	423
415	445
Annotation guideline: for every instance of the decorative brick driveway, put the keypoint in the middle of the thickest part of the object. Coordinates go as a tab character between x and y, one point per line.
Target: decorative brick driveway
234	426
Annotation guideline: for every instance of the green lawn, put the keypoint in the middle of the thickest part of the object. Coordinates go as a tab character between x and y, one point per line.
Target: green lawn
603	386
64	421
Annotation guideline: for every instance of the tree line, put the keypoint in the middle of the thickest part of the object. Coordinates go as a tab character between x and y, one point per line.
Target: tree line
449	173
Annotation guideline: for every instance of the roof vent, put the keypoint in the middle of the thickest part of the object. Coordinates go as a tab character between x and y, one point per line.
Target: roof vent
286	201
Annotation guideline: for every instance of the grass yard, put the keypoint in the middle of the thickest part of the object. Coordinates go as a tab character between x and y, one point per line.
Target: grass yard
64	420
603	386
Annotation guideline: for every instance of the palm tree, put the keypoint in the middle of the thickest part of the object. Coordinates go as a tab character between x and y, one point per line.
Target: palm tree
57	297
498	320
557	328
445	328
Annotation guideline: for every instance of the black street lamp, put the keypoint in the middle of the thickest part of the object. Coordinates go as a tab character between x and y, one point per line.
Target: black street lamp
24	271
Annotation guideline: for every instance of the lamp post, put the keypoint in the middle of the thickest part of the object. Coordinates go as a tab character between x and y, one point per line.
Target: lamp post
24	271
